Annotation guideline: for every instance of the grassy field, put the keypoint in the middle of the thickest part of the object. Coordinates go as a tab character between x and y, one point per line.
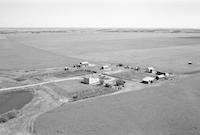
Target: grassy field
14	55
172	109
74	88
167	51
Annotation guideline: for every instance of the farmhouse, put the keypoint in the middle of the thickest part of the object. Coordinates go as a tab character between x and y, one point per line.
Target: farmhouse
93	79
148	80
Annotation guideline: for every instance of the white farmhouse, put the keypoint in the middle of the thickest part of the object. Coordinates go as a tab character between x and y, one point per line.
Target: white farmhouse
91	80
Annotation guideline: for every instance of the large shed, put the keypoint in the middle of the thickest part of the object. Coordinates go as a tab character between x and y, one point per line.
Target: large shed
148	80
84	63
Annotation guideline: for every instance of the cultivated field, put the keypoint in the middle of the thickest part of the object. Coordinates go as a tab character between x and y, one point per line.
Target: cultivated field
170	108
169	51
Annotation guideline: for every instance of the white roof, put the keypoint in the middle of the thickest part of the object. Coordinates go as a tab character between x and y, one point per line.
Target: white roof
161	76
150	67
148	78
84	62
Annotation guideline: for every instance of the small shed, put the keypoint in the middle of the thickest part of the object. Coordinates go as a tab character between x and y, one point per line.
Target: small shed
150	70
160	73
148	80
66	68
190	62
137	68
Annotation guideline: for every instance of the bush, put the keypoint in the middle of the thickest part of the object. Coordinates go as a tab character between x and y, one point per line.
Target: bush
108	85
9	115
119	65
101	81
120	83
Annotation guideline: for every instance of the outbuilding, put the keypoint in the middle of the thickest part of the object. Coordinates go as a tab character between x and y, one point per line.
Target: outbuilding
105	67
148	80
160	73
167	74
150	70
137	68
162	76
66	68
84	64
190	62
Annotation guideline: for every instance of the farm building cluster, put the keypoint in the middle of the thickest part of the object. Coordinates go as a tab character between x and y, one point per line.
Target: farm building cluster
103	80
80	65
99	75
157	75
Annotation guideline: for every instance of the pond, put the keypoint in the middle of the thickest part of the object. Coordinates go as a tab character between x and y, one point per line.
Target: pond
14	100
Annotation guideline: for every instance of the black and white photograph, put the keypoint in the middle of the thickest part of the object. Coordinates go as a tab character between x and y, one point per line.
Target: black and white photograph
99	67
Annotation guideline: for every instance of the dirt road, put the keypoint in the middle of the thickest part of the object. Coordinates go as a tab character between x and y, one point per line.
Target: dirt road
39	84
45	99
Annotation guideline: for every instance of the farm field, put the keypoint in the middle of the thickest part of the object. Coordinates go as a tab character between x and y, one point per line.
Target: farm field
172	109
168	51
14	55
38	57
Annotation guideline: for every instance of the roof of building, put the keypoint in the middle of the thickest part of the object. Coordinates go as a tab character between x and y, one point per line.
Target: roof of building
84	62
161	76
150	67
148	78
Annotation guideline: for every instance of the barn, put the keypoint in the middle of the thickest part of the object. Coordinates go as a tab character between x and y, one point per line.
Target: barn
148	80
